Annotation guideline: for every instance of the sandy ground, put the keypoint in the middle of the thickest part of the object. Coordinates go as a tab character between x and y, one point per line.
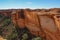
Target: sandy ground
1	38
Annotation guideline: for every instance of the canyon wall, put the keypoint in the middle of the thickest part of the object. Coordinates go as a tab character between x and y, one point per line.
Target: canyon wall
39	22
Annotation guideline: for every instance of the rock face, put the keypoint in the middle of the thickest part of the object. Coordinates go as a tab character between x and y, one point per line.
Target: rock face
5	12
44	23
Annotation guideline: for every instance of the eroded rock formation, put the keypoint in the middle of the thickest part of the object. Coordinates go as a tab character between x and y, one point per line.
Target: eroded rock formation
44	23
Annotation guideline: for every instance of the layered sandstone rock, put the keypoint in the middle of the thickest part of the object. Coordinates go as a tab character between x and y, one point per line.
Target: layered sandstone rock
39	22
44	23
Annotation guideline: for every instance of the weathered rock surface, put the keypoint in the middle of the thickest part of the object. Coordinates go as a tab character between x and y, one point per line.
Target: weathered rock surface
39	22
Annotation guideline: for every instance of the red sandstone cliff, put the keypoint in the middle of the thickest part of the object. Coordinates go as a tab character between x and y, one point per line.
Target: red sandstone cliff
40	22
44	23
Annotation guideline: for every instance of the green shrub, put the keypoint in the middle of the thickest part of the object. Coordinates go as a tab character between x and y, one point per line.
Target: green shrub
37	38
25	36
0	16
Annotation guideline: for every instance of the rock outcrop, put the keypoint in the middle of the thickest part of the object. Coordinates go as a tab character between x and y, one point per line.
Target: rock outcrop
44	23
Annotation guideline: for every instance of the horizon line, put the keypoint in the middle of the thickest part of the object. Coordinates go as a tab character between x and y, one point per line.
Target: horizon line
27	8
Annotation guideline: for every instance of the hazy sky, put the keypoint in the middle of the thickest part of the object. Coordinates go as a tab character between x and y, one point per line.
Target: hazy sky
5	4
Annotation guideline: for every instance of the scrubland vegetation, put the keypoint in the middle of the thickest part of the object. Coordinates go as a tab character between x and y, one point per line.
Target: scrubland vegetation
8	31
